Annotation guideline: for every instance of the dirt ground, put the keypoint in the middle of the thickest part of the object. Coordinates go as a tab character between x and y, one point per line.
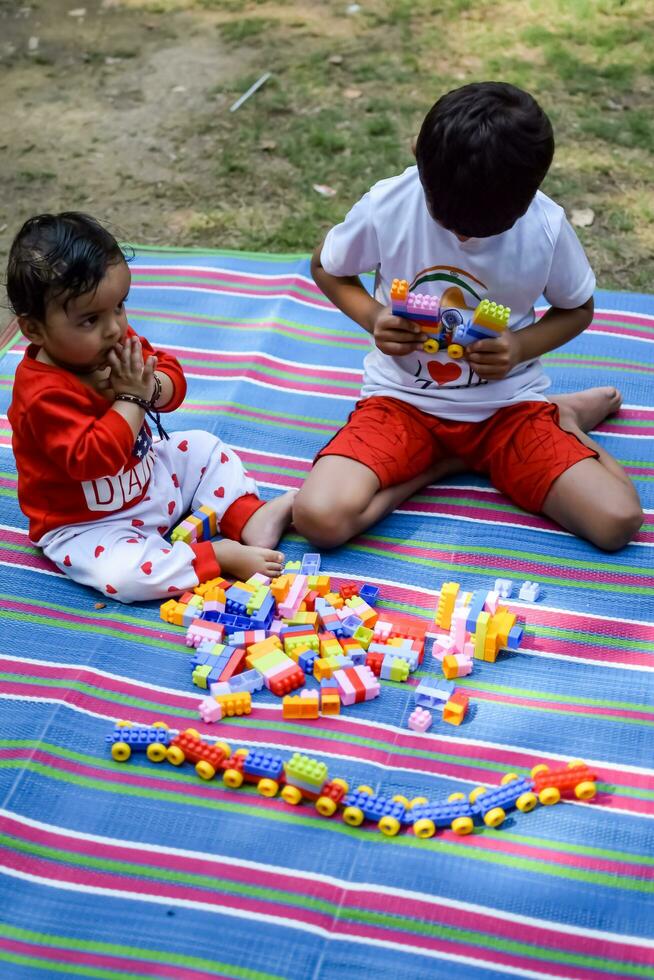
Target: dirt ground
97	112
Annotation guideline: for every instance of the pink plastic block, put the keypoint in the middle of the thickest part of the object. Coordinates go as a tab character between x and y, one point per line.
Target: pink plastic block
459	632
382	630
420	720
214	605
201	630
469	650
492	602
209	710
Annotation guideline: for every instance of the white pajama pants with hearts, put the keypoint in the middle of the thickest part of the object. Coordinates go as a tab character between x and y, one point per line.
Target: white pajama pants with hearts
125	556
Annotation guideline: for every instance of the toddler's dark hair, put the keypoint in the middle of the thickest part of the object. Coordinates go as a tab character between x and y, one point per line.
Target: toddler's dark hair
57	254
482	153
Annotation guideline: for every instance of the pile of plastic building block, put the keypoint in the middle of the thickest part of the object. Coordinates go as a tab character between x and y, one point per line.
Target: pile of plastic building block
276	633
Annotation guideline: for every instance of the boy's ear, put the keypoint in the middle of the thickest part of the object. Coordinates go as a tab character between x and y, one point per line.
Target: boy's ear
31	328
414	143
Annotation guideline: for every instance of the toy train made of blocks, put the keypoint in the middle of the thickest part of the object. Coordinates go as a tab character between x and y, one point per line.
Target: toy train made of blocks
304	778
450	328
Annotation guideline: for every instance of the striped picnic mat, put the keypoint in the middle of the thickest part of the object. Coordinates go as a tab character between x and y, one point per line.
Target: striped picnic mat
145	871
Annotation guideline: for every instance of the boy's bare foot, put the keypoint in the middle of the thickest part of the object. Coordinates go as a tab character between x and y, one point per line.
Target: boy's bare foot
267	524
242	560
586	409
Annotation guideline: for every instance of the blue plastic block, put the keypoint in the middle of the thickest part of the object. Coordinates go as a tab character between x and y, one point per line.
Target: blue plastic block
350	625
310	564
504	796
375	807
432	692
263	764
306	660
249	680
358	657
140	736
442	814
369	594
514	638
476	606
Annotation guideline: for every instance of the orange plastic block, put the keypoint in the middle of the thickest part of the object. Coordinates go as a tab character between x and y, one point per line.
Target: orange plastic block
238	703
322	669
335	600
280	588
330	701
212	583
173	612
455	709
299	706
319	583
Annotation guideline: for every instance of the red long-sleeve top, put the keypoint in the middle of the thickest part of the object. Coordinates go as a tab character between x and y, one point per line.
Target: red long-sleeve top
76	459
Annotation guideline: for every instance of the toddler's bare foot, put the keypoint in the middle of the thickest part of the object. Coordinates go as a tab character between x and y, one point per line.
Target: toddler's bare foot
267	524
242	560
586	409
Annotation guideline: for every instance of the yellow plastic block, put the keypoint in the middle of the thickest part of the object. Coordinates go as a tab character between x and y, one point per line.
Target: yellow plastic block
295	706
330	703
335	600
280	587
481	629
494	316
454	713
265	661
445	607
330	647
238	703
211	514
303	619
319	583
322	669
171	611
210	586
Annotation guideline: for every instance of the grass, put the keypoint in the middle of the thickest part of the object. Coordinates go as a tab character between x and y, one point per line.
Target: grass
348	121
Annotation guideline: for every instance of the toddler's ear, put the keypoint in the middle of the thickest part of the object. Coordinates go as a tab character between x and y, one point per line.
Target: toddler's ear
414	143
31	328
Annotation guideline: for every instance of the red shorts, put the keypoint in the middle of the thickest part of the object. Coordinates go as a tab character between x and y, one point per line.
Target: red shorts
522	448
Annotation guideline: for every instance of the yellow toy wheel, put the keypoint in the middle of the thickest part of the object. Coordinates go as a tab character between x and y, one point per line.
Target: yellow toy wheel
526	802
585	790
398	798
463	826
325	806
389	826
494	817
268	787
156	752
365	789
424	828
430	347
204	769
175	755
453	797
418	801
538	769
120	751
510	777
123	724
476	793
455	351
292	795
160	724
224	748
549	796
242	752
353	816
345	786
576	763
233	778
192	733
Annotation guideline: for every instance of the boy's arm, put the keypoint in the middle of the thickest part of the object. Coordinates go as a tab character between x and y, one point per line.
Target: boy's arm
392	334
493	359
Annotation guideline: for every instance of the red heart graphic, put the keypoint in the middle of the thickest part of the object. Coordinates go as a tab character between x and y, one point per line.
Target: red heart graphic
98	551
132	540
137	523
443	371
175	480
224	457
166	551
110	589
203	471
220	492
162	528
183	445
67	561
146	567
173	588
145	499
171	506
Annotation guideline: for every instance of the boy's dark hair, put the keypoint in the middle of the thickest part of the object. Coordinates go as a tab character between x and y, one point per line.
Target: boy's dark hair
482	152
57	254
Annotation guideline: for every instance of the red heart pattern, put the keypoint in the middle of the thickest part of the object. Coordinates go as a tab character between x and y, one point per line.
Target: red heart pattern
165	551
110	589
443	371
67	561
224	457
98	551
220	492
131	540
137	523
162	528
171	506
175	480
183	445
146	567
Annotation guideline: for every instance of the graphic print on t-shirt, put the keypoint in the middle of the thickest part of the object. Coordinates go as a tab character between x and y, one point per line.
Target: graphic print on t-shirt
109	493
459	292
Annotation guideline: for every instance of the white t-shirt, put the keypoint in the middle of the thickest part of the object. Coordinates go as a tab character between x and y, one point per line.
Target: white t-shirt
390	230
